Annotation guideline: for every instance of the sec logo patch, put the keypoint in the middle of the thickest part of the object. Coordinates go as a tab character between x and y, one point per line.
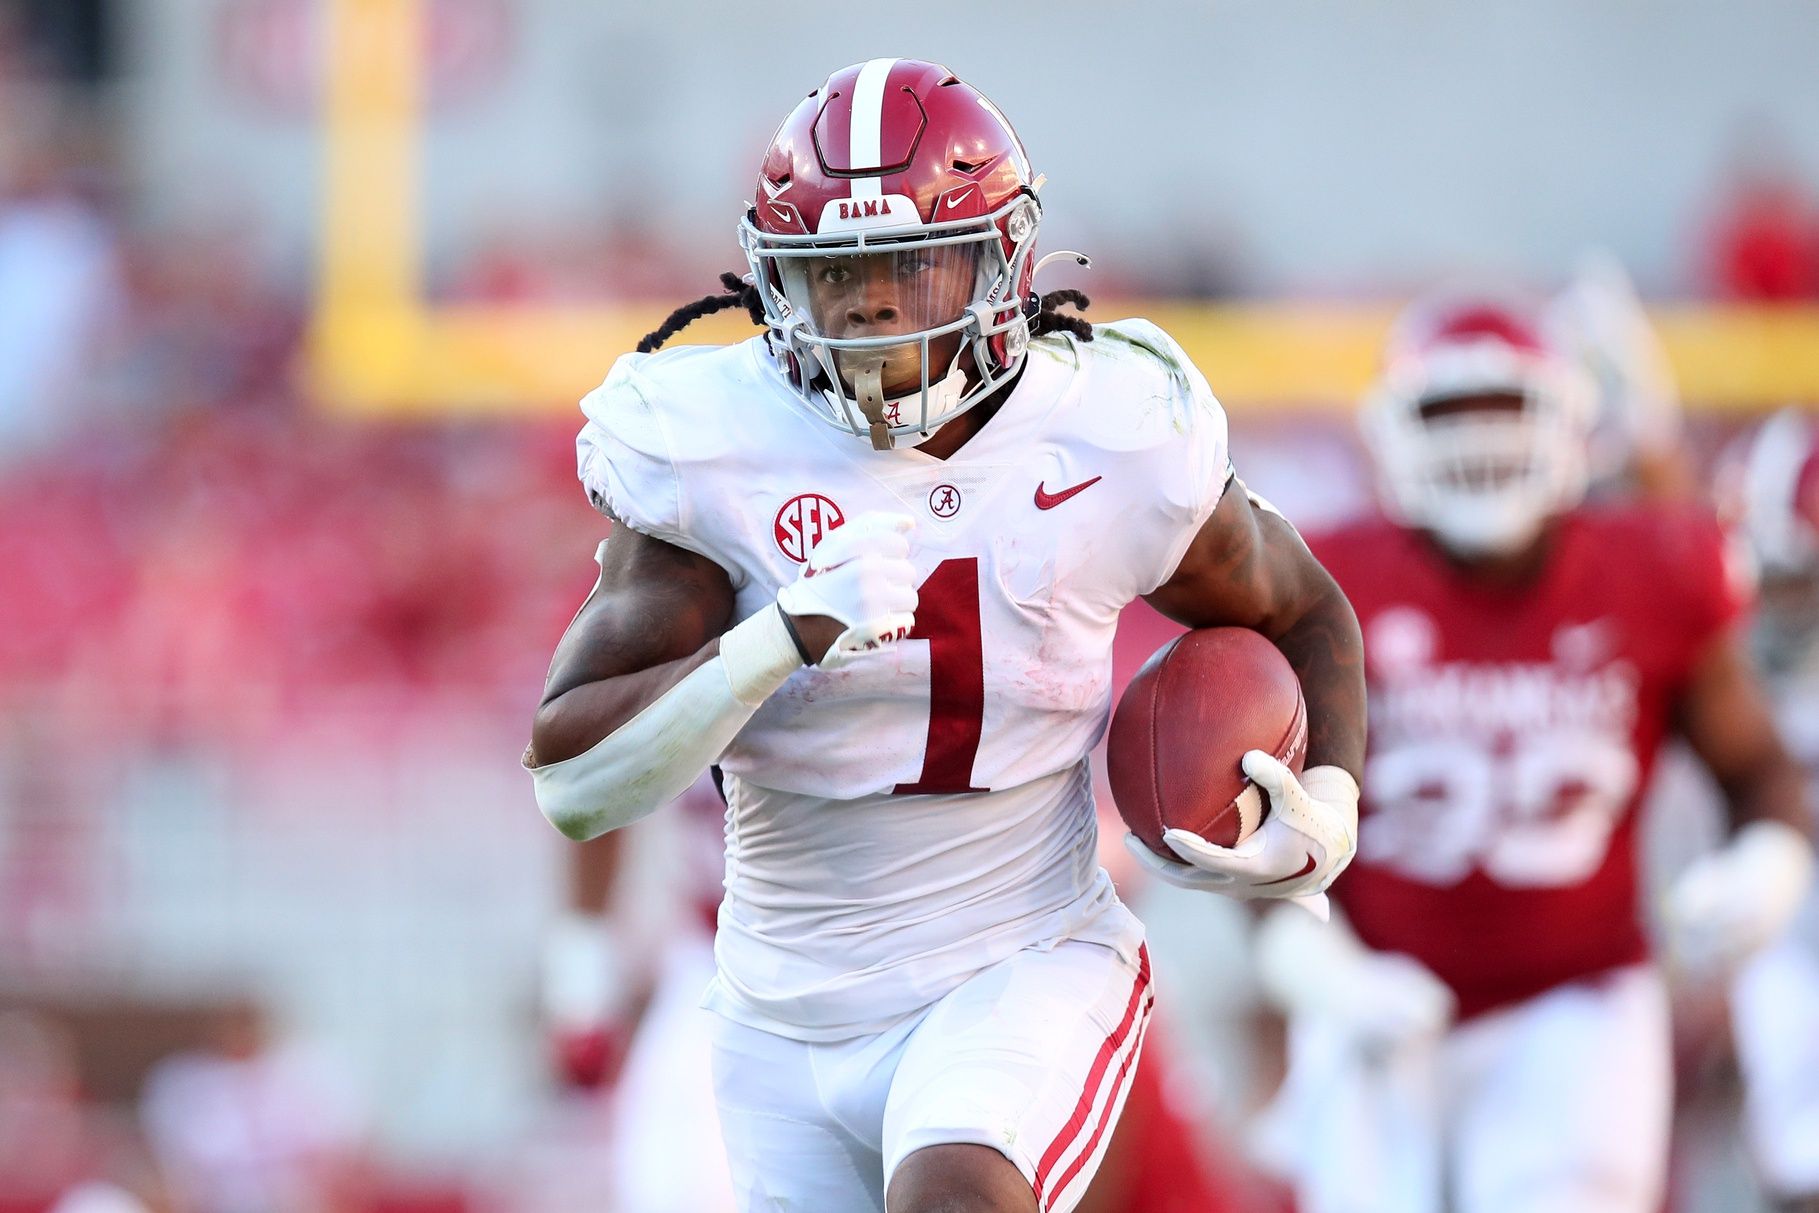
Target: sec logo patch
804	521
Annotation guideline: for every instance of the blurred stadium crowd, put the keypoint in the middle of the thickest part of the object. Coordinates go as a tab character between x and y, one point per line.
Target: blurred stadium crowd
200	567
229	618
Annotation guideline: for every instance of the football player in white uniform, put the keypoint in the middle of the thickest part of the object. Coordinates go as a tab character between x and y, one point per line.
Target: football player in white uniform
1775	1002
871	562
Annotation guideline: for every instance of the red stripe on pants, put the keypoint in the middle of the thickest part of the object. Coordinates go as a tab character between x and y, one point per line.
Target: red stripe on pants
1095	1077
1105	1114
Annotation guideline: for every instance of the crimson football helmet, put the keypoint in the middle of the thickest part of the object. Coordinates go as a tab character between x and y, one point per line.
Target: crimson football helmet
892	243
1482	480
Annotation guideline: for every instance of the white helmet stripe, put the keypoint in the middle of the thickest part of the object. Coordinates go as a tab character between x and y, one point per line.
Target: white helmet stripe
865	134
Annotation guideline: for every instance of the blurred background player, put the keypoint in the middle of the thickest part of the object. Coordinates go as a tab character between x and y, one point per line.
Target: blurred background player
1482	1030
624	968
250	1124
1636	446
588	994
1775	1000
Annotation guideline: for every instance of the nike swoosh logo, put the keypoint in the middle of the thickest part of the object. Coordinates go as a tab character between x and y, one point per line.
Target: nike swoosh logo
1046	500
1308	867
956	199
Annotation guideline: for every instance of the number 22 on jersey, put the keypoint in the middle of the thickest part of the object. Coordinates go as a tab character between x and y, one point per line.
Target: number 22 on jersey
1541	813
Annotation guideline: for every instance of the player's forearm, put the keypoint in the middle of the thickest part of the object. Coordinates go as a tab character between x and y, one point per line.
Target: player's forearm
1725	717
576	720
593	871
1326	650
648	760
1774	789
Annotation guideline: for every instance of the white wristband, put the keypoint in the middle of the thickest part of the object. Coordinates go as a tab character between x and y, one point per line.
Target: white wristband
759	655
1331	785
585	970
1335	788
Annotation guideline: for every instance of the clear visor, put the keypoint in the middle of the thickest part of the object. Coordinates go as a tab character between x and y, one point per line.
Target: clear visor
889	332
901	309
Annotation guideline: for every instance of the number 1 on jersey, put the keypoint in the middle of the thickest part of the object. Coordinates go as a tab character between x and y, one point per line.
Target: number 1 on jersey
947	616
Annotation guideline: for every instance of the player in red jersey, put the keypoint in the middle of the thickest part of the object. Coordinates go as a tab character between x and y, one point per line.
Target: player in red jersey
1484	1031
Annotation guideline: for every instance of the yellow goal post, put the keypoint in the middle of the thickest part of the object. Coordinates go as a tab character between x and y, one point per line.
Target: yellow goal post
377	346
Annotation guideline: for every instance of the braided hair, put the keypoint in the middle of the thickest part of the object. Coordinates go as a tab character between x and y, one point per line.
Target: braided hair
741	293
1049	320
738	292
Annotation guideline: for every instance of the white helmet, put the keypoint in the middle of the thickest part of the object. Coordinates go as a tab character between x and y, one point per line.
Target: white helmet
1768	492
1481	480
1777	495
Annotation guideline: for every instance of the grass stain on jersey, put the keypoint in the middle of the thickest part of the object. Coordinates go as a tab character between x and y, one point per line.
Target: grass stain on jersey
1159	351
1063	349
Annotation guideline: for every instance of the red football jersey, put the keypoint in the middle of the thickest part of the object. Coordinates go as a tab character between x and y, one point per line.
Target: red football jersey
1513	732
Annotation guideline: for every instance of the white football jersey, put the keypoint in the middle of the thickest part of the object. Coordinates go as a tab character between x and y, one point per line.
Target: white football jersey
897	825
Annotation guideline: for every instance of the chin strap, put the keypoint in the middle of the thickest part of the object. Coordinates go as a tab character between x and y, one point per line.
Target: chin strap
869	397
868	394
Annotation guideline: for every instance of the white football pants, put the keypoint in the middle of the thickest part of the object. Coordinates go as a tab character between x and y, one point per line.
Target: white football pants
1031	1057
1560	1103
1775	1017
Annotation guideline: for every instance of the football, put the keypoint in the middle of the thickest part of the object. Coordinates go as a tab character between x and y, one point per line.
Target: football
1185	722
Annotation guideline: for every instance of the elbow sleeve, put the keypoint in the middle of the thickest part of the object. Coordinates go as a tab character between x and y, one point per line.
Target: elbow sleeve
653	758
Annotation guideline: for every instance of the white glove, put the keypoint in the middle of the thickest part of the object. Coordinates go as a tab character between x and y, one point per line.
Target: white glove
1309	835
1600	318
1731	903
587	999
1322	971
586	976
859	574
